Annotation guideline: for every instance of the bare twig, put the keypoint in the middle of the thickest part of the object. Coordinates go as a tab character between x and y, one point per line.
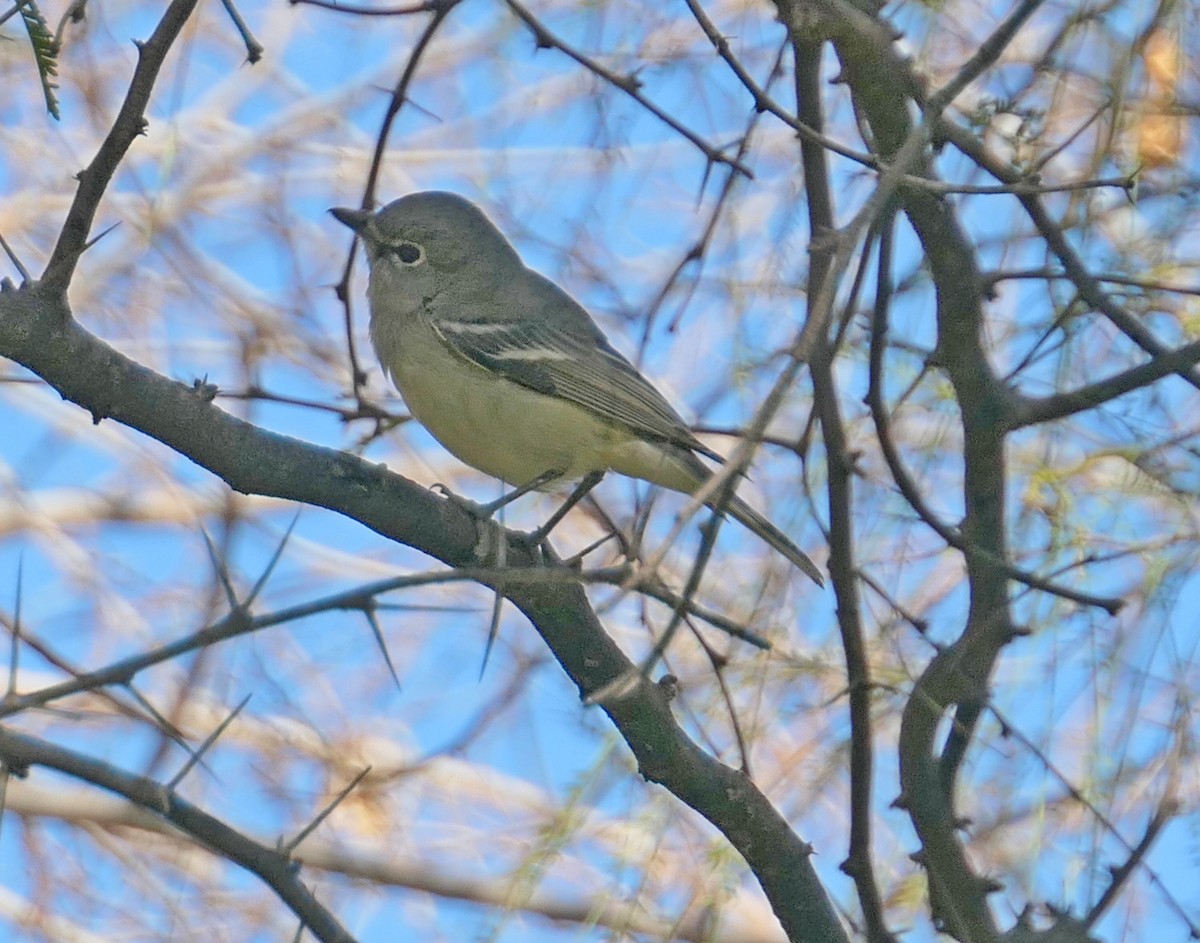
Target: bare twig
129	123
1069	403
426	6
21	752
1162	815
254	49
629	84
399	96
763	102
1087	284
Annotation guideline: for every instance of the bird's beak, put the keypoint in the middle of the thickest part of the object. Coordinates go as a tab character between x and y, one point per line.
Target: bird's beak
355	219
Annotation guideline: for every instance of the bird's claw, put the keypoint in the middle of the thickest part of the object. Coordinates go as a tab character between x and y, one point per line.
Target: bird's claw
481	512
535	543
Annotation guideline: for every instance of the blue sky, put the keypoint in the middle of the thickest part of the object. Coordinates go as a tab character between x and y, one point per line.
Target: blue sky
604	199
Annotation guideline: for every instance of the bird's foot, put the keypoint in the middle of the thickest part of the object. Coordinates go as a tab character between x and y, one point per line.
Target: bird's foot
481	512
534	543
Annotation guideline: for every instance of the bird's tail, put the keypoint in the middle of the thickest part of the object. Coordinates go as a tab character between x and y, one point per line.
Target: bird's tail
750	518
677	468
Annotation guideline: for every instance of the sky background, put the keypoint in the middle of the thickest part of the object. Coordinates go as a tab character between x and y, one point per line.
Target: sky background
222	267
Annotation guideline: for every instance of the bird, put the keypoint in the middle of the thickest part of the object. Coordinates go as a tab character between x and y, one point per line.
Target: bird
511	374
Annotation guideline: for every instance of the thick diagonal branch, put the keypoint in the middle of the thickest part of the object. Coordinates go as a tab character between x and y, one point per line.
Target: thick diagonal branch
37	331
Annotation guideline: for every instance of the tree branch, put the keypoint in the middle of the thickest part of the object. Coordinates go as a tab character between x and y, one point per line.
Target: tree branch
129	123
1060	405
37	331
629	84
19	752
859	862
1088	285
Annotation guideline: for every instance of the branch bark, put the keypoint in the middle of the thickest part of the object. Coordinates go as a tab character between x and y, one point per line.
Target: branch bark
38	331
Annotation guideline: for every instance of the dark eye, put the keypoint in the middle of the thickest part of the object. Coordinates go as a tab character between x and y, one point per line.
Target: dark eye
409	253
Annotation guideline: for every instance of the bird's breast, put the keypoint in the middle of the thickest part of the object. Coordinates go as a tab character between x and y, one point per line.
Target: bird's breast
490	423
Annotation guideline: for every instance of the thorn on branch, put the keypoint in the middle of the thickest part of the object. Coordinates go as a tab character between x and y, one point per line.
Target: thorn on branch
205	391
91	242
630	83
16	261
369	611
287	848
207	744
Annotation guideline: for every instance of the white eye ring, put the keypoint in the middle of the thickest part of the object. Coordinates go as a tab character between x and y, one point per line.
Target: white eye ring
408	254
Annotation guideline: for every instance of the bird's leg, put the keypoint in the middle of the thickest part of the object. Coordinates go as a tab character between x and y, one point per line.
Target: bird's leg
590	480
536	542
506	499
485	512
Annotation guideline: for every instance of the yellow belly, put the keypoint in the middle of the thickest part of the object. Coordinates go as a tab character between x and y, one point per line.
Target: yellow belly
507	430
503	429
492	424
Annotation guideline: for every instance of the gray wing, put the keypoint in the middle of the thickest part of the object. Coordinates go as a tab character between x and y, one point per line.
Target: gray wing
569	358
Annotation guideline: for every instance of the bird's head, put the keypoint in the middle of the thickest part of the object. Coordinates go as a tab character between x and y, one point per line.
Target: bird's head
421	243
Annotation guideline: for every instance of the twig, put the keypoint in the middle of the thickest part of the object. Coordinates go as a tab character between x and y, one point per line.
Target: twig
399	96
207	744
127	126
20	752
286	848
254	49
629	84
763	102
988	52
1162	815
912	494
1086	284
1061	405
427	6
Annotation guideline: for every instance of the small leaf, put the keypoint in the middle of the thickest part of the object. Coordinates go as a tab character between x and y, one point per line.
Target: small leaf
45	51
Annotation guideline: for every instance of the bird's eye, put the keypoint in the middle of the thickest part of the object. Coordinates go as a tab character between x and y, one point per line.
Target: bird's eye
408	253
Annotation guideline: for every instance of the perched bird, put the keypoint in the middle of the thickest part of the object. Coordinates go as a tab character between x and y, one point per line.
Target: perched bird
508	371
